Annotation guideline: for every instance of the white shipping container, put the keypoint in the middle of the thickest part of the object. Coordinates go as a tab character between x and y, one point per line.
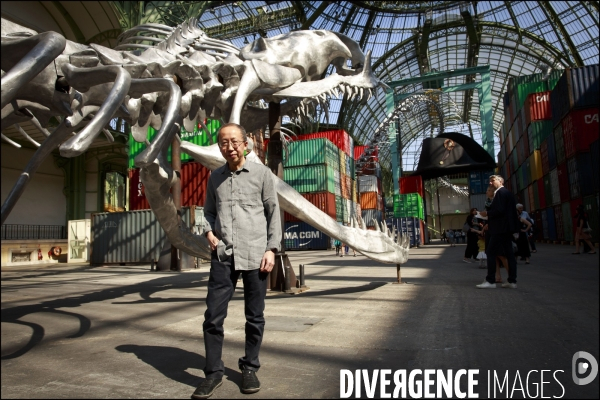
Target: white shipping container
338	182
368	183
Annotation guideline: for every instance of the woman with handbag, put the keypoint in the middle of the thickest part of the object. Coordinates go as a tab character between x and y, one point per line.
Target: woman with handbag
583	230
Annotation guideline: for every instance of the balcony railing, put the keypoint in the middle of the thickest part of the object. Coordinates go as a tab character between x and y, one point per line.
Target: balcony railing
23	232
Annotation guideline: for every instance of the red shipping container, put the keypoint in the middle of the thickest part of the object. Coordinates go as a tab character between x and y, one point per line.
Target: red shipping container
541	194
137	194
530	192
411	184
194	177
537	107
563	182
359	150
324	201
370	201
339	138
558	220
580	129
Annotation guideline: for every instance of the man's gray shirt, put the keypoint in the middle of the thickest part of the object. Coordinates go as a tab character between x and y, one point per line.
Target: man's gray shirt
242	210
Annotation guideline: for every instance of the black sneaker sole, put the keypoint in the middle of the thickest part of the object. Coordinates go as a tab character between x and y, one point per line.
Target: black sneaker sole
250	391
206	396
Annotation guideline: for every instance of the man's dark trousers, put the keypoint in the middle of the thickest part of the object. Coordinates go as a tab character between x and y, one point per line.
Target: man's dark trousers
501	243
221	286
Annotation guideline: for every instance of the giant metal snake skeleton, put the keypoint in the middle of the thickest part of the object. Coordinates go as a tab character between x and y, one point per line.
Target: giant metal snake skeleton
181	80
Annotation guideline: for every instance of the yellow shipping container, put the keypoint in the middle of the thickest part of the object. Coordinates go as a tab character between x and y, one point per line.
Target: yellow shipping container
536	165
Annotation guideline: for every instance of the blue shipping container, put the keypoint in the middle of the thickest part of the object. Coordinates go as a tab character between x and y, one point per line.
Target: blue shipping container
551	152
545	224
407	226
581	175
302	236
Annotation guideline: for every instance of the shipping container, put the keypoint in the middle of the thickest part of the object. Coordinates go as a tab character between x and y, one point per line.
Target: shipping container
479	181
536	166
513	184
577	88
128	237
339	138
530	191
370	201
580	129
199	137
341	210
541	194
346	186
526	203
194	177
595	155
590	205
302	236
477	201
545	232
311	152
567	221
537	107
411	184
558	220
554	187
408	205
370	217
563	182
551	224
368	183
538	233
559	144
408	226
547	190
523	90
521	156
324	201
579	169
537	131
312	178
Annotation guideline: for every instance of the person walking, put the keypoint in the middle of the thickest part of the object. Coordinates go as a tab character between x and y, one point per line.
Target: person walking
530	237
502	223
338	246
581	230
472	248
522	241
243	228
451	238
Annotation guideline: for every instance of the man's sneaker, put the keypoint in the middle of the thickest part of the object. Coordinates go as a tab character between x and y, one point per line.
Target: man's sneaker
508	285
250	383
467	261
487	285
207	388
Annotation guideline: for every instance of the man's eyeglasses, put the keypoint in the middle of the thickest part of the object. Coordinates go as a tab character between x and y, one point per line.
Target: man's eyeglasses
234	144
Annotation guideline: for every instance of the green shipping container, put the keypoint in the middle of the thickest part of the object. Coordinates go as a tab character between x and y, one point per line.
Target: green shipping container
199	137
567	221
554	77
408	205
538	131
548	188
311	152
525	89
590	203
310	178
341	209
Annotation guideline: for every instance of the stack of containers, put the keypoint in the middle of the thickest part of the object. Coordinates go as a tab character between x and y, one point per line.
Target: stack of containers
194	176
369	188
409	214
320	166
575	106
560	168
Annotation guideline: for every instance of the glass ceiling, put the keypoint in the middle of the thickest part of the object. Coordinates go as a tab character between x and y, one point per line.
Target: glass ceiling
410	38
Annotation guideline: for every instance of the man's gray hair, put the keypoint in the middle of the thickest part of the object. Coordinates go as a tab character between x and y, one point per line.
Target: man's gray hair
497	177
519	205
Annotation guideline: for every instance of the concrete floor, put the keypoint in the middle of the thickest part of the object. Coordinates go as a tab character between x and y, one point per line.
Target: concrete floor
77	331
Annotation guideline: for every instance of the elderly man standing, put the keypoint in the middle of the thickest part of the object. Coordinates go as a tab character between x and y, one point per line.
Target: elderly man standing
244	231
503	222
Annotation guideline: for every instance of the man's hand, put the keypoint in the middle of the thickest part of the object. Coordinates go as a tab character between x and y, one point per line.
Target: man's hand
212	240
268	261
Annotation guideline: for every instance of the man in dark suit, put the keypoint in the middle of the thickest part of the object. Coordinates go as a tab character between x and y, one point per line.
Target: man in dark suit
503	222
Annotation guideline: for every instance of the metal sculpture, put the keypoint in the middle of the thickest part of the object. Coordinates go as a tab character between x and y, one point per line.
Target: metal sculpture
181	80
